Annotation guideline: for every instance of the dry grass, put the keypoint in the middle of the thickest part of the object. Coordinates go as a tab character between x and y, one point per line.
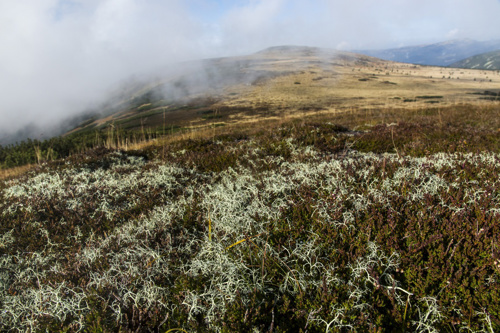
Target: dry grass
354	88
481	115
383	84
14	172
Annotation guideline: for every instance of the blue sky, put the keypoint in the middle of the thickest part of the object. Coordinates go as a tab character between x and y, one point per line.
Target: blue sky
211	11
56	56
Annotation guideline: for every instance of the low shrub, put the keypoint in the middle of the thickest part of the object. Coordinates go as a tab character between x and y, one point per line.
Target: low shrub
310	227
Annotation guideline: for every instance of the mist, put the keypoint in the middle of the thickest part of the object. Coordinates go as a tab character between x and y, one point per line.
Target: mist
59	58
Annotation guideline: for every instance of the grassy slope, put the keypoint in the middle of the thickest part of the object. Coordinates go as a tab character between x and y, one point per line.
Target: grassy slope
383	219
293	81
487	61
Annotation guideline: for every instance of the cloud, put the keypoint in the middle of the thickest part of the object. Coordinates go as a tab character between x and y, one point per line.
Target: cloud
452	34
386	23
59	57
358	23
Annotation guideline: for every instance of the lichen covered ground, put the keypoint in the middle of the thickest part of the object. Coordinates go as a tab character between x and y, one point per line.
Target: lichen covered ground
311	227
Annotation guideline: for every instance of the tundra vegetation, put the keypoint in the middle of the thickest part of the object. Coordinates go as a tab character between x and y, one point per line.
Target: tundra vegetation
376	222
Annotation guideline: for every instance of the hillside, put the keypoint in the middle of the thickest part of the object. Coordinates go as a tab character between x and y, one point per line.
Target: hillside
438	54
384	219
333	193
282	82
192	95
487	61
276	84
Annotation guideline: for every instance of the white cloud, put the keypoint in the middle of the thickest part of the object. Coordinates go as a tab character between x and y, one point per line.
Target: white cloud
452	34
245	28
55	61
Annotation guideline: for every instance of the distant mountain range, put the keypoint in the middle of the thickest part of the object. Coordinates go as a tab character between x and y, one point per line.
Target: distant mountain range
489	60
439	54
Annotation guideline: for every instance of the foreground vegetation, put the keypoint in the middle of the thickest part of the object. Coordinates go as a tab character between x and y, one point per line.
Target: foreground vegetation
368	222
35	151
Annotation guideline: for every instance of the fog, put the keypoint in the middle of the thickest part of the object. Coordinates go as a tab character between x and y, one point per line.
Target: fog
61	57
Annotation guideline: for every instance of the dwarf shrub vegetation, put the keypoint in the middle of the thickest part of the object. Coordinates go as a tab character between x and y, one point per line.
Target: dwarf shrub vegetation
309	228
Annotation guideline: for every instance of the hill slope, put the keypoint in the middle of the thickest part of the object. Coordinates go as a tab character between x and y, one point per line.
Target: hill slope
438	54
276	82
193	92
489	61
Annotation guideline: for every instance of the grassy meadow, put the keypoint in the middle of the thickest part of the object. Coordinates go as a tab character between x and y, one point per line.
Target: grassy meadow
352	196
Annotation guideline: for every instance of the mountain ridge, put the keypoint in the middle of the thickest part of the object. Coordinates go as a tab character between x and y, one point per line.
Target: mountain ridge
486	61
437	54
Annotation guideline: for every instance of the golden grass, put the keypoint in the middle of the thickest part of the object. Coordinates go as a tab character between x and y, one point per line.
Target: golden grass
347	87
486	115
243	240
14	172
138	145
383	84
176	329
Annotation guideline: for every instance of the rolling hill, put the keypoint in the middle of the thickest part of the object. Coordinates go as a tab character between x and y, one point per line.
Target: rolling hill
438	54
276	84
227	86
489	61
199	85
282	81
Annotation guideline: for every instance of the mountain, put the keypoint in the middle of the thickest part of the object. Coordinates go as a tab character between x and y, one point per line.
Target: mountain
439	54
196	93
278	82
489	60
197	90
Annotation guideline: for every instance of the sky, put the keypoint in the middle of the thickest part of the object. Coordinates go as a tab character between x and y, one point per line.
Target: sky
58	57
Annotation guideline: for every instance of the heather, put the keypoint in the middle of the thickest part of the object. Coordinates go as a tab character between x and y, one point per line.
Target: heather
315	225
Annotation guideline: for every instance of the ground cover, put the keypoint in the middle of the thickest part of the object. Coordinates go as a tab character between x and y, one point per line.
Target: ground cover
382	221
